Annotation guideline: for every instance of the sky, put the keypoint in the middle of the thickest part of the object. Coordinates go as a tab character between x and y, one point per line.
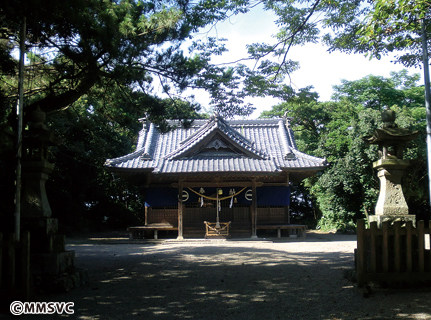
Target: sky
318	68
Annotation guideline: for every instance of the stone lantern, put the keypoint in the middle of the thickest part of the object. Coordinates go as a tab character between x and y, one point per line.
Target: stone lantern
36	169
391	205
49	259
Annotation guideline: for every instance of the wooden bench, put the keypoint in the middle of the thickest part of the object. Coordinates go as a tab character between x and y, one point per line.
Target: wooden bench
297	228
138	231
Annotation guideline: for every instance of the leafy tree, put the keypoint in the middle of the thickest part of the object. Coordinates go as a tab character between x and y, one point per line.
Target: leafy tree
336	129
135	44
374	28
94	129
394	26
99	62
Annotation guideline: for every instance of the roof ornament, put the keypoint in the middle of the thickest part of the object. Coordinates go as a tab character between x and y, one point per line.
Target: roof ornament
145	156
285	140
216	144
144	120
289	156
216	115
287	119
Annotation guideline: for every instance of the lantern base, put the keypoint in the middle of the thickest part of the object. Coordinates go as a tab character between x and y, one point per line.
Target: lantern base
392	218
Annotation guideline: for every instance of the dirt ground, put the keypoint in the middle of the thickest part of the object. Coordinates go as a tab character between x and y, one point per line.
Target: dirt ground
266	279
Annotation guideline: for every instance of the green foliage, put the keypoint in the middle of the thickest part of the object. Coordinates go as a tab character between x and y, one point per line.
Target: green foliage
374	28
76	45
336	130
94	67
394	26
302	209
79	179
100	125
100	62
381	28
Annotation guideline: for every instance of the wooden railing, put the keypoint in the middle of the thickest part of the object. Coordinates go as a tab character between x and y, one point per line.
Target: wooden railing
394	253
15	267
213	229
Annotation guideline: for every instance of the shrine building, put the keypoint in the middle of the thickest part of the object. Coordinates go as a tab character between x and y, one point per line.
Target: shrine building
217	177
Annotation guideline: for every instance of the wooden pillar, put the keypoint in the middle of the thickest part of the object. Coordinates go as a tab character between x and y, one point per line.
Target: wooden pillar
25	264
180	211
146	216
287	211
253	209
287	208
360	253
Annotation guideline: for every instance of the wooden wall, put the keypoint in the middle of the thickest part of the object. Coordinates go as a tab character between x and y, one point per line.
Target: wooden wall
163	214
239	215
272	215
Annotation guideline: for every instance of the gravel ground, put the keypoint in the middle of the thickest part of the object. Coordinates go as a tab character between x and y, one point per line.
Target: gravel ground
288	279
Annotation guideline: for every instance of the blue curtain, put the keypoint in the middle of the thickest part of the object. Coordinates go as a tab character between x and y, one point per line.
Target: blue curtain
266	196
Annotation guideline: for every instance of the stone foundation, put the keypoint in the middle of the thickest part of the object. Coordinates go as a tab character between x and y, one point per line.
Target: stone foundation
392	218
52	263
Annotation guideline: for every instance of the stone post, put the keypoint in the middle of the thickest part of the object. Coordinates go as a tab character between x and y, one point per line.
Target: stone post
35	200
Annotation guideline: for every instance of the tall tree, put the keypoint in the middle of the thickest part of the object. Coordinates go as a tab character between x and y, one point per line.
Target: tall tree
394	26
348	190
136	44
104	62
94	129
100	62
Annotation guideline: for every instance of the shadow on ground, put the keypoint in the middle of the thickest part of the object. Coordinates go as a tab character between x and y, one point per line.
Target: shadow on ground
231	280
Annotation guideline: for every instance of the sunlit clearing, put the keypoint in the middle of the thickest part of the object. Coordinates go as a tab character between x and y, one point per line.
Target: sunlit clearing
259	297
414	315
115	279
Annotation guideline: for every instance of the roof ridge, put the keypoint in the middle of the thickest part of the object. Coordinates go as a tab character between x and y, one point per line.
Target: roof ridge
125	158
286	141
307	156
262	146
291	137
215	122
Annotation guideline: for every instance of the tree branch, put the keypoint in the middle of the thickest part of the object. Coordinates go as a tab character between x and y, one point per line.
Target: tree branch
292	37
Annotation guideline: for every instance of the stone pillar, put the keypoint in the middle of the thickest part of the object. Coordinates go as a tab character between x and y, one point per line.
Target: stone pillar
391	199
35	200
35	208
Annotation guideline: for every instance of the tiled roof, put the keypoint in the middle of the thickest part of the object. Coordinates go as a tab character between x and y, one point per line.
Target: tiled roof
215	123
253	146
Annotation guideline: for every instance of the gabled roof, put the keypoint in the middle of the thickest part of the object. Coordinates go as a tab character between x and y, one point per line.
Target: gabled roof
206	136
254	147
